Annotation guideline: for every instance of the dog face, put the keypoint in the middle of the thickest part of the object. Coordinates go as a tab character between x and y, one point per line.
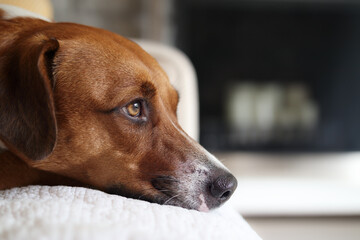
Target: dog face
111	114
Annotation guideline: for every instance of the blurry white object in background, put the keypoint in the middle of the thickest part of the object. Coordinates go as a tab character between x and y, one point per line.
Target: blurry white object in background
183	77
38	8
299	111
309	116
264	112
295	184
294	95
267	105
12	11
150	19
239	106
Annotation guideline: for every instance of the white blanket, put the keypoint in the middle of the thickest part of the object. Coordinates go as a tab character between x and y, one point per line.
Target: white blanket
42	212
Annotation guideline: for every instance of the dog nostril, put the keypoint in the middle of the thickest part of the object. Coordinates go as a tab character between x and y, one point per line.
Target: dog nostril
223	187
225	195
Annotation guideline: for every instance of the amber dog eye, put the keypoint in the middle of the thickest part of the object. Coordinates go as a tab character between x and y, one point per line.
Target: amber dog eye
134	109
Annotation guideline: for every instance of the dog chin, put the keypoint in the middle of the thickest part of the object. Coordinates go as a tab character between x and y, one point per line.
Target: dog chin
191	203
198	204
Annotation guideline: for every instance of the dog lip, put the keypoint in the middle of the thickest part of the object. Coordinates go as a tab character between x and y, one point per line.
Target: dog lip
167	186
167	190
203	207
162	183
165	197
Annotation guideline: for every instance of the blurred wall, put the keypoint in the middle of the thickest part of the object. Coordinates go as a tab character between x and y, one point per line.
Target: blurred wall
147	19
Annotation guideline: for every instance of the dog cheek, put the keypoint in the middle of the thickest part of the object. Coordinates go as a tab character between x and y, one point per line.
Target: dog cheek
154	164
98	173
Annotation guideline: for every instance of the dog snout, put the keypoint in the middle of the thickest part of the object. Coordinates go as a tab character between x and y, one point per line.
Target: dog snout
222	188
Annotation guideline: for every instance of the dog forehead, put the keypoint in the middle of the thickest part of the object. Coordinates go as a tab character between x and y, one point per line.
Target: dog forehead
104	68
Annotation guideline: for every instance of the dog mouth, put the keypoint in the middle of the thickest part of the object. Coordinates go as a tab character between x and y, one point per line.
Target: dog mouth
190	193
163	191
202	196
169	192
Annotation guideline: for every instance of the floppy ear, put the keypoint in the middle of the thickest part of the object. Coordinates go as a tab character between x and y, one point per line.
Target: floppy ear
27	113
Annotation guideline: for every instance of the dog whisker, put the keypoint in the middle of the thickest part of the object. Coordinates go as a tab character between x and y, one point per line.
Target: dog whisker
161	174
146	193
171	198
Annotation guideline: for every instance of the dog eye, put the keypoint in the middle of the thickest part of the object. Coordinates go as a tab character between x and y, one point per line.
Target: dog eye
134	109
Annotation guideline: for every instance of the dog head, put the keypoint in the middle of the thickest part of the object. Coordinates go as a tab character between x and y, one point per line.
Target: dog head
93	106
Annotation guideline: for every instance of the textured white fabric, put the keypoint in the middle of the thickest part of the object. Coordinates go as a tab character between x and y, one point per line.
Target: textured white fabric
42	212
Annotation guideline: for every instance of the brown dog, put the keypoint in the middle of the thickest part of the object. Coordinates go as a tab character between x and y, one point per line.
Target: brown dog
83	106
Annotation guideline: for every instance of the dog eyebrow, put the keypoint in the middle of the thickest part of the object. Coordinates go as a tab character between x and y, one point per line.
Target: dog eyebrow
148	89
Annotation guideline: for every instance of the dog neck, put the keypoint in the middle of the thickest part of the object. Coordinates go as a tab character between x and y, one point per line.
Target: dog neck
16	173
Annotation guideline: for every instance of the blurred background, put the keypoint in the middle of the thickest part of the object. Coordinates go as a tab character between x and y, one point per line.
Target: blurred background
279	84
273	75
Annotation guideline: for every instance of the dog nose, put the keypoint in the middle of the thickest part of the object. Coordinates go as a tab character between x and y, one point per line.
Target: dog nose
223	187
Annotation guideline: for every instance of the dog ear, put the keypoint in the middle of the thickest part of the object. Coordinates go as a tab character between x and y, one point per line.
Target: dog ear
27	113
